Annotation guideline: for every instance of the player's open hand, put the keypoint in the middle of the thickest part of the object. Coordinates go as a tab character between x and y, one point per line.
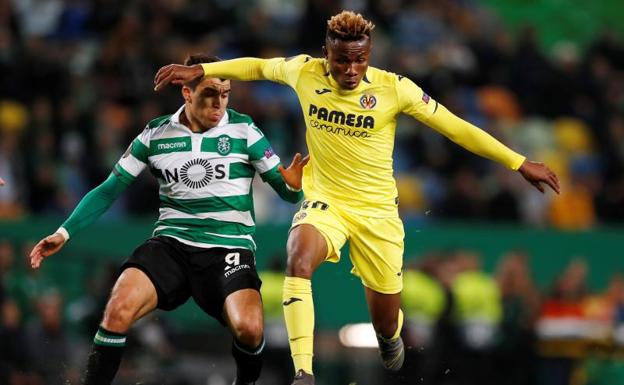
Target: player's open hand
294	173
537	173
46	247
1	182
177	74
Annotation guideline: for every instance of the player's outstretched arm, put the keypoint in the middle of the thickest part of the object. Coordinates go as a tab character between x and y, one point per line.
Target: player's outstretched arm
90	208
537	173
46	247
245	69
480	142
279	69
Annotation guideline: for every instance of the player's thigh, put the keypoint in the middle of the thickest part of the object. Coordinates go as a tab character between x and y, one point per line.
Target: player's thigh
133	296
376	249
163	261
318	229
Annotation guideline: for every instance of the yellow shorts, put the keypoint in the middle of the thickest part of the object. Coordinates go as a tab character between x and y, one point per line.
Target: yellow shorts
375	244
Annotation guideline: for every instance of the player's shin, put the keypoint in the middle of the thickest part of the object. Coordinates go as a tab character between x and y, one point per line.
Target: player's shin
391	349
104	358
248	362
299	317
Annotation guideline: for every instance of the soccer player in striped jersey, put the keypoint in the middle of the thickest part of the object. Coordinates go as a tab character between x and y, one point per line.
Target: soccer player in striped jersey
204	157
350	111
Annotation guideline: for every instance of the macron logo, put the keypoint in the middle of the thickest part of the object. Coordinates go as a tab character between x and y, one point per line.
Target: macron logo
323	91
170	146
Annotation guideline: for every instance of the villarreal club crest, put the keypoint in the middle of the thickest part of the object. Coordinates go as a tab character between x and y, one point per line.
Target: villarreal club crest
368	101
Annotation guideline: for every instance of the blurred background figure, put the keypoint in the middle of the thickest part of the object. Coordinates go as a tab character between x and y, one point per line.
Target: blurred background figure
47	341
520	299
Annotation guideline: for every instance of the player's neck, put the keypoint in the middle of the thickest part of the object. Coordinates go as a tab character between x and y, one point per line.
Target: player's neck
192	124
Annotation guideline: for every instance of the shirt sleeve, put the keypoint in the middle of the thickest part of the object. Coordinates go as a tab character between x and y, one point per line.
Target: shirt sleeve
413	101
473	138
94	204
266	163
134	160
280	70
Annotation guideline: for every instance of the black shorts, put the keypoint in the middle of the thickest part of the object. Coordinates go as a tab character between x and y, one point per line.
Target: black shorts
179	271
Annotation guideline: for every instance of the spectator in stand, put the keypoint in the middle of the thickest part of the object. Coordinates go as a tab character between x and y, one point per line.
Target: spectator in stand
516	356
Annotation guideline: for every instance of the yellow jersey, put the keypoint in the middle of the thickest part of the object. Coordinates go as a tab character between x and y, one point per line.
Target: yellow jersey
350	133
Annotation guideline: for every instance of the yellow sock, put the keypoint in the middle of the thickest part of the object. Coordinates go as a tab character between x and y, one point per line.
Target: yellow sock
299	317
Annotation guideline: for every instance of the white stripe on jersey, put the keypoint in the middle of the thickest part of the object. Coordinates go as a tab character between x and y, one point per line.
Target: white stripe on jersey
253	135
242	236
132	165
233	130
203	245
263	165
221	188
242	217
205	154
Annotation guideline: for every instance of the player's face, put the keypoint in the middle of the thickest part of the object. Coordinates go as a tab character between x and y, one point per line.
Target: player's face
207	103
348	61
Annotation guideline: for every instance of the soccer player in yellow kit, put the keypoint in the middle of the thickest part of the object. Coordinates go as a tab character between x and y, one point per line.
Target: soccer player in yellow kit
350	111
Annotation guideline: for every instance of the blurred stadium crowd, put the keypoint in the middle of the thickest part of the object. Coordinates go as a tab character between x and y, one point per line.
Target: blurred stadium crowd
463	327
77	87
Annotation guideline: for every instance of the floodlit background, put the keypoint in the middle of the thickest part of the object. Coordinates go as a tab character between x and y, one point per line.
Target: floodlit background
503	285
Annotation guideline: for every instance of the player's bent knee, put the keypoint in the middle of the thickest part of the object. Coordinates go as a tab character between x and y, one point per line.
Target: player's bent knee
119	315
300	265
249	332
386	326
306	249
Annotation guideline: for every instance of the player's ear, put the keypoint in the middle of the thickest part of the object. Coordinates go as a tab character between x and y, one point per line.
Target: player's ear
186	93
324	51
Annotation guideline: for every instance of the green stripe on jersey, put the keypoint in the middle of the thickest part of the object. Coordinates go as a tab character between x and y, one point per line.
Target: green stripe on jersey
241	170
256	150
122	174
201	237
139	150
236	117
166	146
209	225
157	122
208	205
237	146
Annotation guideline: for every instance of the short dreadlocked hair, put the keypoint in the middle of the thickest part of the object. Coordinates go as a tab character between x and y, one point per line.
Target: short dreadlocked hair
349	26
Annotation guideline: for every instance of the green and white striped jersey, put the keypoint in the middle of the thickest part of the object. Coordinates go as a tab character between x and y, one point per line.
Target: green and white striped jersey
205	178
